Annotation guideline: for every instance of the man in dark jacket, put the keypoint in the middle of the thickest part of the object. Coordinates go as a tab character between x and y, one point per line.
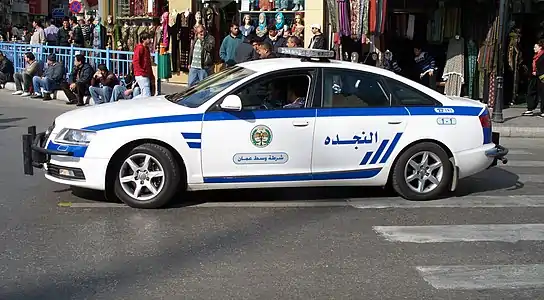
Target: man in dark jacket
102	85
80	79
266	51
76	36
63	35
247	50
6	70
317	41
50	81
200	56
275	39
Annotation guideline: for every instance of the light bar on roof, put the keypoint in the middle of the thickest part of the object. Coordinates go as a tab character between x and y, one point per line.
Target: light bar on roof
309	53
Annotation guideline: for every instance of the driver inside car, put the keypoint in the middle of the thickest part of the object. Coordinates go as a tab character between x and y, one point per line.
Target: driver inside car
295	96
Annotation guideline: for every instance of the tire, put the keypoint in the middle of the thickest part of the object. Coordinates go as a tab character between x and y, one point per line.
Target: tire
155	191
405	169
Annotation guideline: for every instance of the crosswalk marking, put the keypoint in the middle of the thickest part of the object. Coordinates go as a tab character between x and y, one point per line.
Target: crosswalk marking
524	163
457	202
508	233
483	277
519	152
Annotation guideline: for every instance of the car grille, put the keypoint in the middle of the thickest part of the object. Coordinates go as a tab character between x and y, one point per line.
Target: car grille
54	170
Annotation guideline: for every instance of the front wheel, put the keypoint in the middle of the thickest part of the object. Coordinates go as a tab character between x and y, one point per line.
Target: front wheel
423	172
148	177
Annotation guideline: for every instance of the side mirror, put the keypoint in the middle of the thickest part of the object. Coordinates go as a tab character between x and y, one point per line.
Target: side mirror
231	103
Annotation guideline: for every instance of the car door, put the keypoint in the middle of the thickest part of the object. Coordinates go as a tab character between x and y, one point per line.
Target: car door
269	140
357	128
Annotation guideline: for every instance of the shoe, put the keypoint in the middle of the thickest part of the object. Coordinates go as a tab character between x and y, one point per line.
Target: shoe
36	96
26	94
80	104
71	102
17	93
528	113
46	97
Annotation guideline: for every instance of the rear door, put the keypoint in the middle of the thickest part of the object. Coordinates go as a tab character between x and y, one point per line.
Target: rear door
357	128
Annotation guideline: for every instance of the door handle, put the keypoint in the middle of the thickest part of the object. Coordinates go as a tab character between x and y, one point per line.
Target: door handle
394	122
301	123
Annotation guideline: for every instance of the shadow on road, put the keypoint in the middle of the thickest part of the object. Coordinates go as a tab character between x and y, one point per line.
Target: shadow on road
11	120
487	181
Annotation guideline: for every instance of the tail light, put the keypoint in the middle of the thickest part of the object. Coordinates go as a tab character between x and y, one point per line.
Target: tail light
485	121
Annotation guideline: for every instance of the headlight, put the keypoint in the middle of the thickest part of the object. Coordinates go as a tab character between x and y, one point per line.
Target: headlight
75	136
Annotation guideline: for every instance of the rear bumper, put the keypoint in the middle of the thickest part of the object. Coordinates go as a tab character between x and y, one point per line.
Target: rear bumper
473	161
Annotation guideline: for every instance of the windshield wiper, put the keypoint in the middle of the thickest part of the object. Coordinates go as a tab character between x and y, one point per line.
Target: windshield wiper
175	97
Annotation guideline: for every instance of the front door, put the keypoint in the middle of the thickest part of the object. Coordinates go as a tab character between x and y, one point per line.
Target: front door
269	140
357	129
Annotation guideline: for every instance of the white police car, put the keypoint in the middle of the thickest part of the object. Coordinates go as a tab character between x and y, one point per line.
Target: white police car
285	122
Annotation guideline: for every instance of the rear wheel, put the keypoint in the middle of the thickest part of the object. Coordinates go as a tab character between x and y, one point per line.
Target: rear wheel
148	177
423	172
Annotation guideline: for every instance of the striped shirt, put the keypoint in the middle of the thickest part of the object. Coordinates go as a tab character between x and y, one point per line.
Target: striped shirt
425	62
197	55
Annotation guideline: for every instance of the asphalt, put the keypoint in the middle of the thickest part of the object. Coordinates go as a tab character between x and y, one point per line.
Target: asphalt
333	243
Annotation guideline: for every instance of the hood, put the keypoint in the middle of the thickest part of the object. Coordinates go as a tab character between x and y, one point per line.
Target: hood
120	111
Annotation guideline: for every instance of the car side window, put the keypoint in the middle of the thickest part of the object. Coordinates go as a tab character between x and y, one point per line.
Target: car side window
278	92
347	88
406	95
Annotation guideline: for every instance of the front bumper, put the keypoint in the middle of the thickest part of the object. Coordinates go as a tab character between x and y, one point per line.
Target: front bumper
498	152
35	154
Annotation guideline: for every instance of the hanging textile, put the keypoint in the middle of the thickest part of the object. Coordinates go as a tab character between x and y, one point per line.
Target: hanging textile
486	57
514	58
365	5
332	8
344	18
472	53
491	101
372	15
454	70
381	17
411	27
355	14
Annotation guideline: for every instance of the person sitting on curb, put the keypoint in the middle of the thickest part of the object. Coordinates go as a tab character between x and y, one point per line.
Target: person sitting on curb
81	76
23	80
125	91
6	70
50	81
102	85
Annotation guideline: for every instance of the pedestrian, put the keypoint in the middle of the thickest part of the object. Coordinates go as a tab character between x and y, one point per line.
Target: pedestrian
51	32
80	78
247	50
38	37
536	83
275	39
266	51
102	85
50	81
318	40
76	35
200	55
294	42
141	62
23	80
426	67
230	43
63	35
6	70
126	90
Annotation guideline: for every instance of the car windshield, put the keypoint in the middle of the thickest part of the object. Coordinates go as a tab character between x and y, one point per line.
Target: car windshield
209	87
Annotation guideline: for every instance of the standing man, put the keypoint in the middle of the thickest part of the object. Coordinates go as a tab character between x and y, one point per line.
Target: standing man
63	35
426	66
51	79
81	77
51	33
6	70
293	42
38	37
230	43
200	55
102	85
275	39
23	80
317	41
141	62
76	36
266	51
247	50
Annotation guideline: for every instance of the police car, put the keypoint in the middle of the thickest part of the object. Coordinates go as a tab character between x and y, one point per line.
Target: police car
286	122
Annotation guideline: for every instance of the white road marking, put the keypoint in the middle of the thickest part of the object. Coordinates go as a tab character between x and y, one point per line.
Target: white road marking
508	233
483	277
524	163
518	152
530	178
458	202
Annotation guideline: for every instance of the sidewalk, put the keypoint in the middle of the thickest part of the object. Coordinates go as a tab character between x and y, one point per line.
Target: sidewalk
516	125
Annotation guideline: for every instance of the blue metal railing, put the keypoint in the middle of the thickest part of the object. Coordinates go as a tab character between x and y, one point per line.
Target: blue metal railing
119	62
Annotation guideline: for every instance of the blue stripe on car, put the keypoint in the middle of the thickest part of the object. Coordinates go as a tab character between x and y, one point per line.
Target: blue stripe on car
293	113
379	152
191	135
354	174
194	145
77	150
391	148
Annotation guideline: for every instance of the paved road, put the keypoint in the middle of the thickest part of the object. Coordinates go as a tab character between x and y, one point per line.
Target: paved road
485	242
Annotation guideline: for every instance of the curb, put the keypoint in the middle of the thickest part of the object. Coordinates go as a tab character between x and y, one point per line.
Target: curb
515	131
60	96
